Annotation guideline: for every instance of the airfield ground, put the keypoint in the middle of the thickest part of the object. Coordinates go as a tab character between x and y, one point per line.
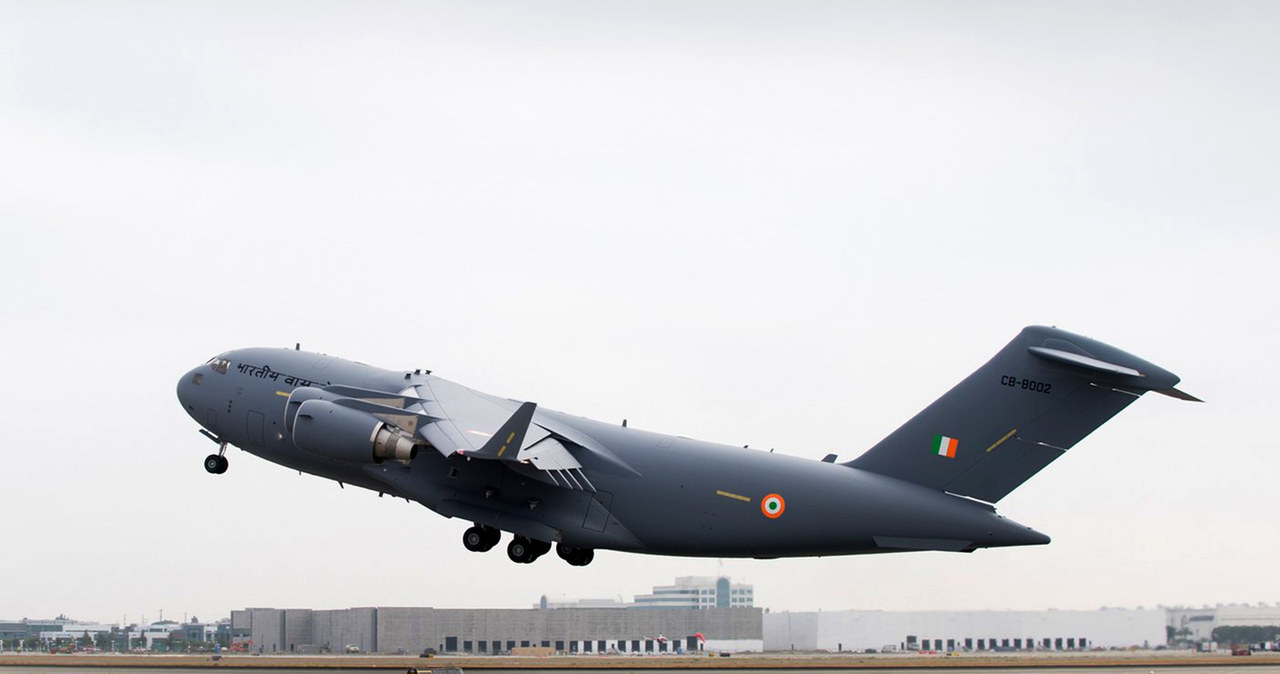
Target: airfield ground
789	661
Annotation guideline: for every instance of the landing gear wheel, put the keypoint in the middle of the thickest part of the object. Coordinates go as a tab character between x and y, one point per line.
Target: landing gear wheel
492	536
520	551
575	556
475	540
563	551
216	464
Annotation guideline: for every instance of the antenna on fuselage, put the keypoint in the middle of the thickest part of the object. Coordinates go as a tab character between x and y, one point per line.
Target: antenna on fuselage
297	346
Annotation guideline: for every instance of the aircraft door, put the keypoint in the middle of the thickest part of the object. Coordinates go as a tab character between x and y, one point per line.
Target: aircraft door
598	506
254	429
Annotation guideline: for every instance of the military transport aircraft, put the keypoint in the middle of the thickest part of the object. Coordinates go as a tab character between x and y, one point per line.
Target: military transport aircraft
550	478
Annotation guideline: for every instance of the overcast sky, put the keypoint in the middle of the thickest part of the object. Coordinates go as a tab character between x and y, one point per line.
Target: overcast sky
789	224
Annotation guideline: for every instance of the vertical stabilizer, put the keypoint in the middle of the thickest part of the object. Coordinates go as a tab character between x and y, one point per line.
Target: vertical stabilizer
1033	401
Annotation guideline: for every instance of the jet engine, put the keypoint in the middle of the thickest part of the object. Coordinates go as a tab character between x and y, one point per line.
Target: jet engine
331	430
301	395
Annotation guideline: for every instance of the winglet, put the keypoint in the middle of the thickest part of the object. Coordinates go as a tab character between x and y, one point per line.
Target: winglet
505	444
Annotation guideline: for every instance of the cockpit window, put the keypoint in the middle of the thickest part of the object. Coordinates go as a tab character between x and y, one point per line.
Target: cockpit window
219	365
197	378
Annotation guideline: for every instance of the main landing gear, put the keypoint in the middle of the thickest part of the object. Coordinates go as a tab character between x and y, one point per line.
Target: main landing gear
217	463
522	550
480	538
575	556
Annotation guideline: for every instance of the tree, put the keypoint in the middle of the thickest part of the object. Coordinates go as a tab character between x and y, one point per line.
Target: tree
1246	634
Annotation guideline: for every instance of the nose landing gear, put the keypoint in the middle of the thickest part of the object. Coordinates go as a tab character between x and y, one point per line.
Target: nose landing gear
217	463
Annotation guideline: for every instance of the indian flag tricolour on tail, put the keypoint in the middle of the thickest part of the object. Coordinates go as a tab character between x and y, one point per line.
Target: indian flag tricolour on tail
944	446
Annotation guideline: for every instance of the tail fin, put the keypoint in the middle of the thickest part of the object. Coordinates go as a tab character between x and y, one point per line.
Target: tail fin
1033	401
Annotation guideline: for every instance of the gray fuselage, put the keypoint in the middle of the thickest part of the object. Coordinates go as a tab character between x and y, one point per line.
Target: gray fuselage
653	493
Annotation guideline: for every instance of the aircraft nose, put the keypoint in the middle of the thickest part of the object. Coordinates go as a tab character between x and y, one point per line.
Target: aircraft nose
187	386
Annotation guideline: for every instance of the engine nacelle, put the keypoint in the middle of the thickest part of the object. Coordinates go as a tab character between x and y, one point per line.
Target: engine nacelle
301	395
330	430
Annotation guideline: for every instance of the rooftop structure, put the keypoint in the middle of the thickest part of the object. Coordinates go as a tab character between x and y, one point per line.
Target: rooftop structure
588	602
698	592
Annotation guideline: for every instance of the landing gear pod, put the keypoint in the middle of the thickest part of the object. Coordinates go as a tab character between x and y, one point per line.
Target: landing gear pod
324	428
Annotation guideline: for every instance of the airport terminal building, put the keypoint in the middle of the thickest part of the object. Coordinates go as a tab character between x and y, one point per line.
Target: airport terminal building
494	631
963	630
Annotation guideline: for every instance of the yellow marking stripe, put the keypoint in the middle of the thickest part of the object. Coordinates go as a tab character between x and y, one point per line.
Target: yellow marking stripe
500	451
736	497
511	437
283	394
1001	440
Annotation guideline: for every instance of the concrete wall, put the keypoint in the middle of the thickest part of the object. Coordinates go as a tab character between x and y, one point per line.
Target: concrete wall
392	629
266	629
948	630
336	630
416	628
297	629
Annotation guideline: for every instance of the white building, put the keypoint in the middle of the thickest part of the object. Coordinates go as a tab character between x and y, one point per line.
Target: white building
72	630
1197	624
963	630
587	602
699	592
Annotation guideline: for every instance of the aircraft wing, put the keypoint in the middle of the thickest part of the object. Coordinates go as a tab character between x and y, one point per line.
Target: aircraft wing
456	419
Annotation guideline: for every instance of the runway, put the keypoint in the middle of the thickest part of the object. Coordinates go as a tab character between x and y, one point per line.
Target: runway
1121	662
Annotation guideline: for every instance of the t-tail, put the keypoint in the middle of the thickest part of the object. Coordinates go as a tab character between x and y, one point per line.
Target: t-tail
1033	401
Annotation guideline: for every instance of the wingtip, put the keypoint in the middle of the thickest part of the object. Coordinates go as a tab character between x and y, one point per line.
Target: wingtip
1180	395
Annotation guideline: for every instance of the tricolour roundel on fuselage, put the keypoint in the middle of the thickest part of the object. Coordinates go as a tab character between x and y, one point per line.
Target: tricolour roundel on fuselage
772	506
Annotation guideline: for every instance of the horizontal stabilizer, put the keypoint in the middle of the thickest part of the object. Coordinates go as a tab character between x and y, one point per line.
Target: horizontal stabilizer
1083	361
